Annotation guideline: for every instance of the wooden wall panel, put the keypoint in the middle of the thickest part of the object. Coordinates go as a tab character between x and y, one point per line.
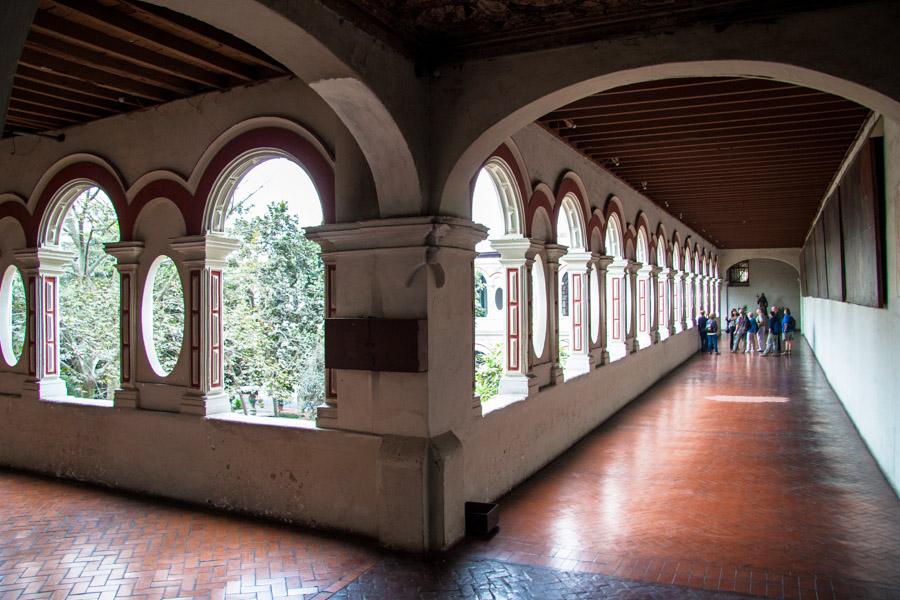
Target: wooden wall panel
809	254
821	264
862	236
834	248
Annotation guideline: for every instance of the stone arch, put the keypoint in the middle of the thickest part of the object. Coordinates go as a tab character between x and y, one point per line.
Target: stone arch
569	218
790	256
614	237
596	228
351	83
510	192
62	189
217	175
572	184
541	201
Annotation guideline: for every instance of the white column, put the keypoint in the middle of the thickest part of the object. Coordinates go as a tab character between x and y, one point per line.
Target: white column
43	269
669	282
516	257
578	266
599	351
656	304
554	253
127	255
631	338
643	280
681	280
204	258
616	313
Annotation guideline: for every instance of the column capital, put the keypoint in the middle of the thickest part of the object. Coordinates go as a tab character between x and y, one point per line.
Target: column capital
576	260
555	252
48	260
522	249
633	267
207	250
602	261
402	232
125	253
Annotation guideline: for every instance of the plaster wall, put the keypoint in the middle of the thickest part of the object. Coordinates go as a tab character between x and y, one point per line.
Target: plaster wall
780	282
509	444
857	345
292	473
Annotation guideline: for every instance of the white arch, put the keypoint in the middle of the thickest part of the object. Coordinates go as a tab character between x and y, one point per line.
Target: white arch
614	246
642	252
511	203
54	215
570	225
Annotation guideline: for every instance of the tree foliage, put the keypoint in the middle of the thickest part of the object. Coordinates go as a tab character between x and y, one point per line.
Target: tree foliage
274	311
89	299
488	370
18	315
168	314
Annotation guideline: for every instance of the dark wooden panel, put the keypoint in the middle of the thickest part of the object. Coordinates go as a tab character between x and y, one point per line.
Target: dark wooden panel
809	264
834	247
861	231
398	345
821	264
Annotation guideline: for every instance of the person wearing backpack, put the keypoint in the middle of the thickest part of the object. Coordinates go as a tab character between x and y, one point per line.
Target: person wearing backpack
788	325
752	333
712	334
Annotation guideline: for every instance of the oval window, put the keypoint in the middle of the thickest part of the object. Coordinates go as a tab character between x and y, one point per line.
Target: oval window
539	306
12	316
498	298
163	316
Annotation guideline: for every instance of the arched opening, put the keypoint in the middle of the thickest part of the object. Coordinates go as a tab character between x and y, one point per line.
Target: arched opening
615	289
79	223
678	287
499	283
12	316
274	291
644	295
777	279
663	298
689	312
573	272
162	316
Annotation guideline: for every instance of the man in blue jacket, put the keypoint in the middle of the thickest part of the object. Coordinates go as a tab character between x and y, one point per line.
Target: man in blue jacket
775	328
701	329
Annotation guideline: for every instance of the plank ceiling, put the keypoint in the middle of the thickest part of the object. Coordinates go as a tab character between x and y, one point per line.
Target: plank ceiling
744	161
89	59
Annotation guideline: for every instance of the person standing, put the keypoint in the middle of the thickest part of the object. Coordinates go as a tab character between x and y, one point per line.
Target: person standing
740	330
762	303
763	331
788	325
712	334
752	333
701	329
729	327
775	327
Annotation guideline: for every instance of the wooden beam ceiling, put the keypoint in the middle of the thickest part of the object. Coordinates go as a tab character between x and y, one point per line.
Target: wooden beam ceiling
88	59
744	161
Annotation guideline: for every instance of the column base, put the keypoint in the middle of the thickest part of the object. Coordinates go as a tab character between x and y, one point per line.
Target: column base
126	398
655	337
198	403
643	341
46	389
632	345
516	384
326	415
616	351
578	364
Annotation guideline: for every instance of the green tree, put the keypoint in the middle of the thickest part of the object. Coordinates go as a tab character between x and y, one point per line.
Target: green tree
488	370
18	314
168	314
89	299
274	303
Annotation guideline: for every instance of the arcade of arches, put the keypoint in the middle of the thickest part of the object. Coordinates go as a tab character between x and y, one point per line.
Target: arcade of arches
490	251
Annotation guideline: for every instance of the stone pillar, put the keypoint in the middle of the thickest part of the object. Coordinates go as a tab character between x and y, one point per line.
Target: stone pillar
43	268
631	338
691	284
616	313
644	280
127	255
599	351
516	257
326	414
671	282
204	259
414	272
578	266
682	283
658	306
554	253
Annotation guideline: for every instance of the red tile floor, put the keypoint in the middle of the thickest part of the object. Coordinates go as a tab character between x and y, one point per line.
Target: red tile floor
736	474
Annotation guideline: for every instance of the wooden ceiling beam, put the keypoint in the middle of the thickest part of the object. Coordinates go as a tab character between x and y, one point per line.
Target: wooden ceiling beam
25	85
748	151
50	24
135	28
48	115
812	175
58	104
713	168
81	73
120	68
60	82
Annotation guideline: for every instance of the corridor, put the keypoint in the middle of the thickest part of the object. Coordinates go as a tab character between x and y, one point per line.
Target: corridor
734	476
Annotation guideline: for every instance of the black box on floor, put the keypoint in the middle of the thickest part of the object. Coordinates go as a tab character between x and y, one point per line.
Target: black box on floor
482	518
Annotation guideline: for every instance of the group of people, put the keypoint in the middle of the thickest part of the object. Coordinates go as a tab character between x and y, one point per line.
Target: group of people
761	331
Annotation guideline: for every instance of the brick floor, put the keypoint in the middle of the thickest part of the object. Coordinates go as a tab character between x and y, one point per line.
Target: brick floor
677	496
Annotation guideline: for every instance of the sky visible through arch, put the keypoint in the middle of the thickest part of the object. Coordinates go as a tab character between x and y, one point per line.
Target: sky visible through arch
280	179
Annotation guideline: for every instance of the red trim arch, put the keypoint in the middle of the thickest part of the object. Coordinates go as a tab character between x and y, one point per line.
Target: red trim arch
541	198
614	205
297	146
687	265
19	213
506	153
643	224
663	238
597	223
160	188
571	184
102	177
